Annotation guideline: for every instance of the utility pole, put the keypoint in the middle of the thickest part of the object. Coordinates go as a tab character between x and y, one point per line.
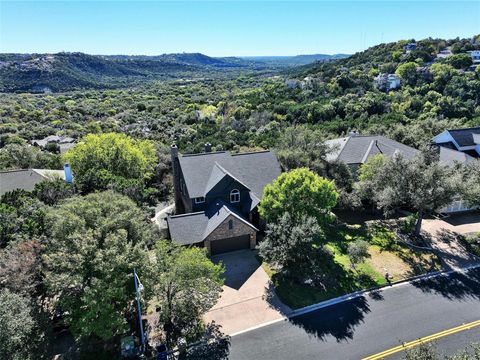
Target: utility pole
139	308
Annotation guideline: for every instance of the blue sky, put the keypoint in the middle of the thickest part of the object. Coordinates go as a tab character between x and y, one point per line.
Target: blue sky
224	28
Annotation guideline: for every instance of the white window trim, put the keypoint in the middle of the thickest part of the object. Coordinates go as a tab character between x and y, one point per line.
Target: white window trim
199	200
235	196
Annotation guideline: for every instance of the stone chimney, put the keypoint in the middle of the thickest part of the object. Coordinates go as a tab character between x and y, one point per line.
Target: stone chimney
208	147
68	173
175	175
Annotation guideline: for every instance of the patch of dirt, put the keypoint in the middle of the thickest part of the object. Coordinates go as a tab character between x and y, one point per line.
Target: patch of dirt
385	261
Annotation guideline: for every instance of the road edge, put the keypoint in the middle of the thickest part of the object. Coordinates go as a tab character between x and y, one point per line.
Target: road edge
354	295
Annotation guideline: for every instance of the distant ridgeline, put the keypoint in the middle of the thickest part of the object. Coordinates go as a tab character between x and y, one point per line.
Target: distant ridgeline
72	71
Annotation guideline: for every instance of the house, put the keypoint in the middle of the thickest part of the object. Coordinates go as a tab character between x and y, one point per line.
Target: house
410	47
26	179
64	143
444	53
475	54
458	146
356	149
387	82
292	83
466	141
216	198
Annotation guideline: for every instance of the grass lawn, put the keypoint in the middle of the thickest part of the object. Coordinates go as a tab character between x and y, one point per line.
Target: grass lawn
386	255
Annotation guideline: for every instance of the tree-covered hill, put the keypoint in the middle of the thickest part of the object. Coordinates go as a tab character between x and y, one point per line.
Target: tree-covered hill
74	71
196	59
295	60
254	109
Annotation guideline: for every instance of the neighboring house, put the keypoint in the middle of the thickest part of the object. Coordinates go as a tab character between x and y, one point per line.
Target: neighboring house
458	146
293	83
26	179
475	54
356	149
64	143
216	198
387	82
466	141
410	47
450	156
444	53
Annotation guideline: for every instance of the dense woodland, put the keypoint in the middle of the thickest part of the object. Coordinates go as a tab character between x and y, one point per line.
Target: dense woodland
251	110
54	240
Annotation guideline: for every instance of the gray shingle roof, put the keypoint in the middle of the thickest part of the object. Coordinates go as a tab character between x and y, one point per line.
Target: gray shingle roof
357	149
26	179
53	139
253	170
464	137
193	228
451	156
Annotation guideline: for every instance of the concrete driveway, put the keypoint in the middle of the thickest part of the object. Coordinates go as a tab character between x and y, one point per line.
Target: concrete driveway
443	238
248	298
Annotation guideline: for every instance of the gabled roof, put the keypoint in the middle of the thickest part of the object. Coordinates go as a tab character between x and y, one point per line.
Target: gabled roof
195	227
219	173
465	137
26	178
54	139
253	170
357	149
451	156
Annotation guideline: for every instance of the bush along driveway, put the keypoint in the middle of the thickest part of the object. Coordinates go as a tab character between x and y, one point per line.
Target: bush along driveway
339	277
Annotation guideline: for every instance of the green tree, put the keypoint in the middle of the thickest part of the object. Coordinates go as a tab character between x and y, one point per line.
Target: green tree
422	183
94	243
187	284
460	61
422	352
357	252
289	244
343	178
300	146
408	72
18	327
99	160
298	192
52	191
22	216
470	184
21	156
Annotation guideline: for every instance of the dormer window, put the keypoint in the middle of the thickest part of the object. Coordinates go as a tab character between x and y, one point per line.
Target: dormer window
199	200
234	196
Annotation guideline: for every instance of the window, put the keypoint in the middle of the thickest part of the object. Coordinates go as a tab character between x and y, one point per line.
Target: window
234	196
182	187
230	224
199	200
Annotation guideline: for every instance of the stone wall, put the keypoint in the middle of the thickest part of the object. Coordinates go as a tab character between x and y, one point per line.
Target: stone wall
239	228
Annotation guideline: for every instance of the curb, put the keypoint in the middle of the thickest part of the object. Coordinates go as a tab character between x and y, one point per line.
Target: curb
359	293
355	295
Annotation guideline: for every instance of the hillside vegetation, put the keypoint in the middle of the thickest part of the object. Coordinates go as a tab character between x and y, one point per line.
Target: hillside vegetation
74	71
253	109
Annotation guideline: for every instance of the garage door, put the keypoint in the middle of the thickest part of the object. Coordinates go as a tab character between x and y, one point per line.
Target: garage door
230	244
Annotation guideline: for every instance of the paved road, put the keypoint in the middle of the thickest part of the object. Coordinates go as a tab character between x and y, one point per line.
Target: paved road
451	344
370	324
